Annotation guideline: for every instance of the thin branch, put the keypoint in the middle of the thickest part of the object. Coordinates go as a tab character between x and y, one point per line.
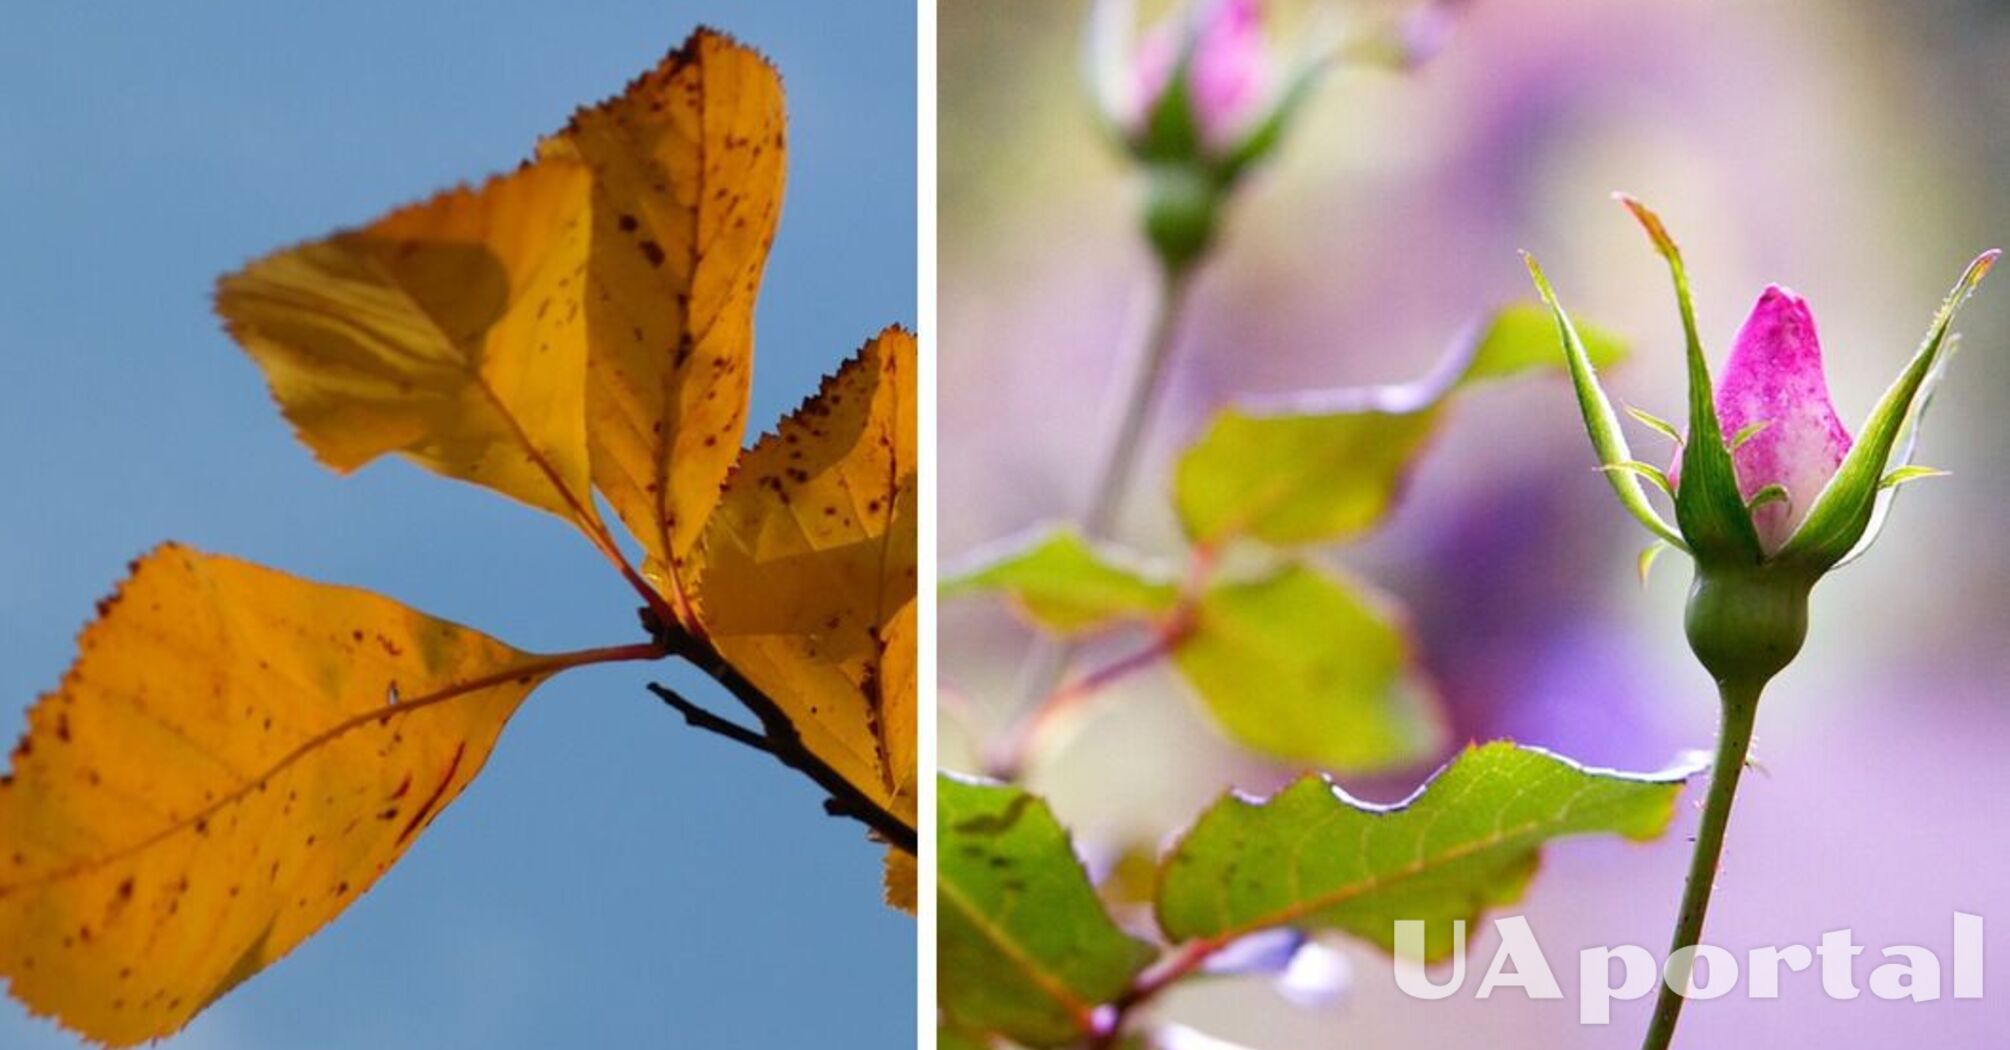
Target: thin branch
1024	739
1046	661
1037	727
712	723
778	735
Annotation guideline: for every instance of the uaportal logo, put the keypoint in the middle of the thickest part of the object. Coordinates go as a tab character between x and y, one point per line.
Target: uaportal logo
1907	972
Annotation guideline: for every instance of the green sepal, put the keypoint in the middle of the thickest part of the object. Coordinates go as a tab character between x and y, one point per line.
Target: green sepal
1106	62
1263	137
1769	494
1171	130
1649	471
1644	564
1748	432
1908	445
1656	423
1708	507
1600	420
1842	514
1912	472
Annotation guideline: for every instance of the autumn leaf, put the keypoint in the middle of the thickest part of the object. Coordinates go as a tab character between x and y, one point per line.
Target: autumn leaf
899	726
808	565
236	756
901	878
899	690
687	188
450	331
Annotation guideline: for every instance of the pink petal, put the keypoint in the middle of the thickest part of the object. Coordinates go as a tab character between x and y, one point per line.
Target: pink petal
1231	68
1775	376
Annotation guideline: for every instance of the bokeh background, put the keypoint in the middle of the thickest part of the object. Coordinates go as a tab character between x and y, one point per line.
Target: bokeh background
1854	151
614	878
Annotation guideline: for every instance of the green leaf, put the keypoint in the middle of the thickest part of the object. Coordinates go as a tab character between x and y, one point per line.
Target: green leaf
1067	586
957	1039
1327	465
1306	667
1311	857
1708	506
1842	513
1024	946
1522	338
1600	421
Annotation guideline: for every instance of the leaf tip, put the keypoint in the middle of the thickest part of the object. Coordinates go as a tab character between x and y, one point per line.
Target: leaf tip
1980	268
1649	221
1541	282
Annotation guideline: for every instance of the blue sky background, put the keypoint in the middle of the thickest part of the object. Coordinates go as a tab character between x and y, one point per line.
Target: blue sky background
613	878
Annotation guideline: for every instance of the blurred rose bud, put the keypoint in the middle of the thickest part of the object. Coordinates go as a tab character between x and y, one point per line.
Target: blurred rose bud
1196	103
1208	94
1229	70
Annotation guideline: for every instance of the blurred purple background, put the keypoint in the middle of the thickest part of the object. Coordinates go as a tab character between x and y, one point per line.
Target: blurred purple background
1854	151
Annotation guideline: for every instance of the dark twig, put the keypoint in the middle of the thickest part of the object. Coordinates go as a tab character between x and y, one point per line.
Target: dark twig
706	720
778	736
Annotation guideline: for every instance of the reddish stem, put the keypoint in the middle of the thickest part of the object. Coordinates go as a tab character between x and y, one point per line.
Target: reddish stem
1027	738
1023	741
1151	983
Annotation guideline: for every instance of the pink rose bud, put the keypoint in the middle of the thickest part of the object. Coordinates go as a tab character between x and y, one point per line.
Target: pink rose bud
1231	72
1774	380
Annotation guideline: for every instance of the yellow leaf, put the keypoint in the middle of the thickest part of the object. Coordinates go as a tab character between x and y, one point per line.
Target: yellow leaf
806	572
687	171
900	880
235	757
450	331
898	651
898	727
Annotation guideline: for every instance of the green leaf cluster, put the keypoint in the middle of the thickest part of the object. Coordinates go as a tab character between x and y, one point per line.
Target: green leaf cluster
1293	660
